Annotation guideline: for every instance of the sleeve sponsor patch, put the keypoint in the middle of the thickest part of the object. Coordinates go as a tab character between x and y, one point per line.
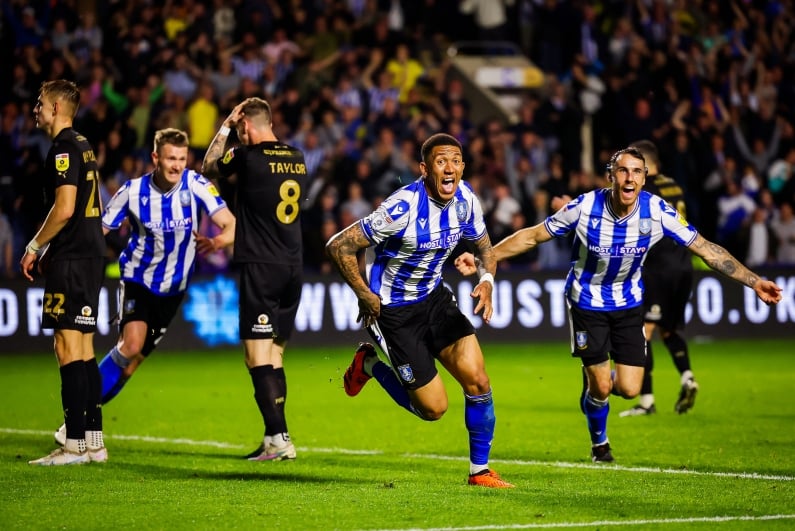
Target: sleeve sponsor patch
213	190
228	156
62	162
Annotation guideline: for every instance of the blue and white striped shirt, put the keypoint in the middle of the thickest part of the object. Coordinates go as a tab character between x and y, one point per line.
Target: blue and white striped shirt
161	251
412	236
609	251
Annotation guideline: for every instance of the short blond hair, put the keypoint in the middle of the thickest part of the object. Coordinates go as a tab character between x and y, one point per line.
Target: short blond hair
64	91
257	110
172	136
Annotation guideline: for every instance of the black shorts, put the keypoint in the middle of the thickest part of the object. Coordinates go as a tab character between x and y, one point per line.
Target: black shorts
665	296
71	294
416	333
138	303
269	298
599	336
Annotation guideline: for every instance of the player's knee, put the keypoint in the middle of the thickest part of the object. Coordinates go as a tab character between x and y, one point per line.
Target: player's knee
630	390
131	348
432	414
479	386
600	390
432	411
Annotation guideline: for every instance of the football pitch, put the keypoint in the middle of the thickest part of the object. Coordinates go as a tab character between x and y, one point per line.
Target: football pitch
177	432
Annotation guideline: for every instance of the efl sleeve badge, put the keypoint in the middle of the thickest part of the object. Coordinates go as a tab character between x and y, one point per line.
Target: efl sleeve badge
62	162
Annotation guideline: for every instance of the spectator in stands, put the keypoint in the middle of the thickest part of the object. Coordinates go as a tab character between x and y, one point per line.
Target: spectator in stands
7	263
406	71
735	209
761	240
784	231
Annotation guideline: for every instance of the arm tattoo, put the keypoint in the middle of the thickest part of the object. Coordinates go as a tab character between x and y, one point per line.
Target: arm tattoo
719	259
485	261
214	152
343	249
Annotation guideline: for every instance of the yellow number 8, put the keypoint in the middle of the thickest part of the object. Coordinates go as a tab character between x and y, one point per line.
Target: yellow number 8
287	209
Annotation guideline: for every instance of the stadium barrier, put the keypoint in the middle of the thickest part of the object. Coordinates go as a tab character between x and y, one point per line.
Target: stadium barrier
527	308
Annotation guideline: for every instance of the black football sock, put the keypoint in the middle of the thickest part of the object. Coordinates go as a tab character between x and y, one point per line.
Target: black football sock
94	401
645	388
269	395
678	348
74	391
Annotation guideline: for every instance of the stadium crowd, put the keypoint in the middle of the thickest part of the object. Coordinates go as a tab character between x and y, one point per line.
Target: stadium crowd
359	84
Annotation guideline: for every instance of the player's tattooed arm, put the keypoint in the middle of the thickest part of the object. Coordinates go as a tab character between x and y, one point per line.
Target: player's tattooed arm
221	143
485	262
719	259
214	153
342	249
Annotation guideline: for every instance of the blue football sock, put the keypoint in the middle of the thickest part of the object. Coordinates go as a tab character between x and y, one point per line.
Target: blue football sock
596	413
480	420
112	370
386	377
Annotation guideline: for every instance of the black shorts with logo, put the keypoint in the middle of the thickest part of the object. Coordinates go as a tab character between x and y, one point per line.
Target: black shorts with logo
138	303
665	296
269	298
71	294
416	333
599	336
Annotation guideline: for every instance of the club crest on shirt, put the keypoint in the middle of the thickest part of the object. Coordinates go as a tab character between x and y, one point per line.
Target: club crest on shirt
62	162
184	197
406	374
645	226
129	306
378	220
461	211
581	338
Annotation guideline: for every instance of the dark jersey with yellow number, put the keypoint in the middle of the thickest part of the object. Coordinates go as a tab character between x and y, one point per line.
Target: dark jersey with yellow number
667	254
71	161
271	179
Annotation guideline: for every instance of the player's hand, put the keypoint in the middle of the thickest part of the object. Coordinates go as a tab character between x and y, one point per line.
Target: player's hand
369	309
204	244
767	291
27	262
465	264
482	293
236	115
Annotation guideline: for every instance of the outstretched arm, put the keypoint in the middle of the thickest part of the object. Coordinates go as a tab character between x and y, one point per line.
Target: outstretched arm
521	241
719	259
517	243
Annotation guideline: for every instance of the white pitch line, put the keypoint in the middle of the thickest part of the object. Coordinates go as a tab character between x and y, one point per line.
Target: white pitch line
592	466
519	462
599	523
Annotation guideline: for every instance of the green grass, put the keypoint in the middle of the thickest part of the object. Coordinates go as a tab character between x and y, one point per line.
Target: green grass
176	434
